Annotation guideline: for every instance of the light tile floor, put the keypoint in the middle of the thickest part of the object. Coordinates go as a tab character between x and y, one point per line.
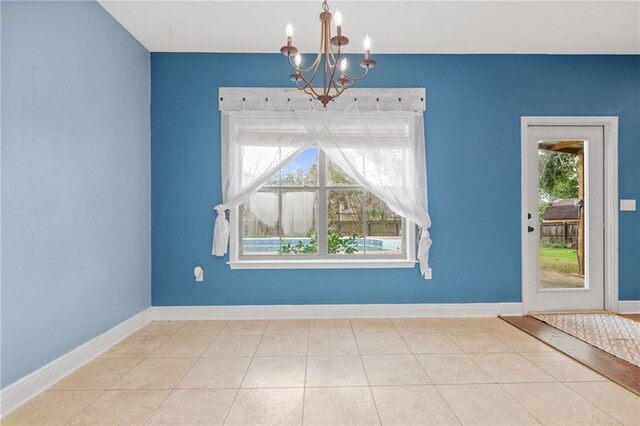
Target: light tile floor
338	371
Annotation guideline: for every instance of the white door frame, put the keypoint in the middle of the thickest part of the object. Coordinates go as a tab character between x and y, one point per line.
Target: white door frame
610	125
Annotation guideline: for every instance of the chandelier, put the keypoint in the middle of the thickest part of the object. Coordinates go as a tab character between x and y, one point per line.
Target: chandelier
327	62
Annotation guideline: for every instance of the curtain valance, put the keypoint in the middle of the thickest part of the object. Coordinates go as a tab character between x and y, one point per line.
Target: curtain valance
383	151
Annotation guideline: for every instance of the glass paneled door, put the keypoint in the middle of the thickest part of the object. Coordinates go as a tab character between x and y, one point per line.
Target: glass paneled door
564	242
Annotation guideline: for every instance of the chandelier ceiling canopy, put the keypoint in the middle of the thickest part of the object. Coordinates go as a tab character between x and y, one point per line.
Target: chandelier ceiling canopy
328	61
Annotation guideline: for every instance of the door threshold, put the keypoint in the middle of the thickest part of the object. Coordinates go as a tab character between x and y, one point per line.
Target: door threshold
570	311
613	368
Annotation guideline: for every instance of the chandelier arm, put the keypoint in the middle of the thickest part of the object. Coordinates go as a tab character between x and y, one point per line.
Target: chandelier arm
302	76
313	76
329	56
318	59
313	93
335	61
308	84
338	91
333	57
366	71
333	74
302	87
315	62
348	85
327	69
292	65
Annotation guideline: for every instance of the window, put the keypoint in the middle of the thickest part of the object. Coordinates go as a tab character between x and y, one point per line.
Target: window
287	185
312	213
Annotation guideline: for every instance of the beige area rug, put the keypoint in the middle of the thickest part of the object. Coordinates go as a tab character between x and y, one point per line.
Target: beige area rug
614	334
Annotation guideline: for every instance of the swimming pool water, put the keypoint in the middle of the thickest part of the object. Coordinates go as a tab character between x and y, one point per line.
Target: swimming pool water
257	245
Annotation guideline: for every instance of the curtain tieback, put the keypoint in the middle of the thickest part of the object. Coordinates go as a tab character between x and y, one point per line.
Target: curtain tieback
423	251
221	230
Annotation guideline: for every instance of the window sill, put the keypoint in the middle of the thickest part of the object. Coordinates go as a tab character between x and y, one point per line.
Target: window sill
322	264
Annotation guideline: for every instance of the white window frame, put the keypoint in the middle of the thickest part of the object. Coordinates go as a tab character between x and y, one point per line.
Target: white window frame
320	261
233	99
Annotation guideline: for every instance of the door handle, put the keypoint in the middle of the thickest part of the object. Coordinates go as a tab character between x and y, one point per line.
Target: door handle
530	229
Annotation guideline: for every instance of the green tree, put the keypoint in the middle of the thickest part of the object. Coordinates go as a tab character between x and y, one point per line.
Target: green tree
300	176
336	244
557	178
558	175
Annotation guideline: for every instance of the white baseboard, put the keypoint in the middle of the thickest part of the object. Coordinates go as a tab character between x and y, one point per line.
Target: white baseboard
17	393
629	307
335	311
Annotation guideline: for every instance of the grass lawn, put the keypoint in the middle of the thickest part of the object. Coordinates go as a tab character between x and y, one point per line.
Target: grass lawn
559	259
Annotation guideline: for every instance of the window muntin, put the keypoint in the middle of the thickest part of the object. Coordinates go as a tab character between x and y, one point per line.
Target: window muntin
312	209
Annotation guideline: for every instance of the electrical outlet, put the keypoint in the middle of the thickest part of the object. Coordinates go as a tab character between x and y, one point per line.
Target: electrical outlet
198	274
627	205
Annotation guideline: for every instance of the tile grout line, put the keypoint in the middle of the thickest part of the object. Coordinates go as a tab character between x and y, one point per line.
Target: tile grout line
85	407
518	402
565	386
214	340
168	336
557	378
246	372
306	364
375	405
502	386
427	374
183	376
590	402
148	419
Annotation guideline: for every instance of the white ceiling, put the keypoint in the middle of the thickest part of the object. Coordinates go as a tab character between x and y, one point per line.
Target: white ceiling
572	27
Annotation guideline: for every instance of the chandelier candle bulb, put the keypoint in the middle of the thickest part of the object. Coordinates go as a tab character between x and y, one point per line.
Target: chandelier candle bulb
337	18
343	80
296	76
367	47
289	49
289	31
367	62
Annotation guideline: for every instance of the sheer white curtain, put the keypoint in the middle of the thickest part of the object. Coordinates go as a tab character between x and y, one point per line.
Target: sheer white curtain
381	150
298	212
255	145
384	152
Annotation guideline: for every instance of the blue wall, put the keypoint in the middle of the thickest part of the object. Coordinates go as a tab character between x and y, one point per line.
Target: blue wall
473	156
75	179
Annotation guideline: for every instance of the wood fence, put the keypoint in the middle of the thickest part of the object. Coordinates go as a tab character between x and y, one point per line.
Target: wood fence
559	233
374	228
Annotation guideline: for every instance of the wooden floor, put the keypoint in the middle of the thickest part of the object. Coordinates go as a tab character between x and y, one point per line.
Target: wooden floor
612	367
635	317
